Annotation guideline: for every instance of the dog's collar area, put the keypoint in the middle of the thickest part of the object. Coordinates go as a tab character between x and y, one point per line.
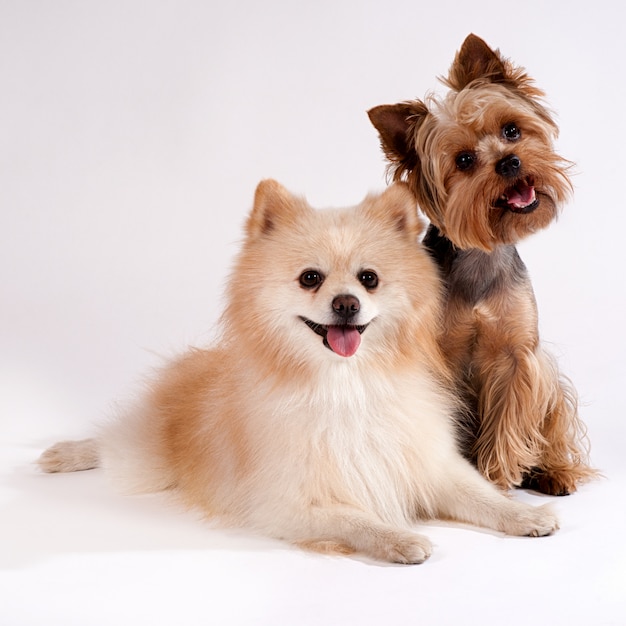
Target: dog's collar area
342	339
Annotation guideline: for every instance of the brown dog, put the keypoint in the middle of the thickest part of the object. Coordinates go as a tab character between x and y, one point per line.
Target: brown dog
482	165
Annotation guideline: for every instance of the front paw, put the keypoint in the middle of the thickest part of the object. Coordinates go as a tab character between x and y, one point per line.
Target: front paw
405	548
551	483
534	522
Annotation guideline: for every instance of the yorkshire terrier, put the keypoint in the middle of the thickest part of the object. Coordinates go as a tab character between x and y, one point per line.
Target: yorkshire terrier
482	165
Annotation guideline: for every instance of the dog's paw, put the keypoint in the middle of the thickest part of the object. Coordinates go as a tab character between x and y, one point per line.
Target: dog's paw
403	547
534	522
70	456
554	483
544	522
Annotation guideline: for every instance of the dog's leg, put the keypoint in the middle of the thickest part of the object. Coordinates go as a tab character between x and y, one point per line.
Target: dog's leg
511	406
528	426
345	529
513	386
467	497
530	433
70	456
563	462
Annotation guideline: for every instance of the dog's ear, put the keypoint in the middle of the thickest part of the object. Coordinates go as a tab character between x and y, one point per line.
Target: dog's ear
273	205
475	61
396	124
397	207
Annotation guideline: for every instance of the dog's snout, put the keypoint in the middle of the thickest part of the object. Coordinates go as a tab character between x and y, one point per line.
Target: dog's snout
346	306
509	166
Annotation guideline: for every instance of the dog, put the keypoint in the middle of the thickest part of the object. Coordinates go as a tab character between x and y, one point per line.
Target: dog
482	165
323	415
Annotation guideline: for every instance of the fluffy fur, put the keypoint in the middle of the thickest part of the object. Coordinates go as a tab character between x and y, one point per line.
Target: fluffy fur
323	414
482	165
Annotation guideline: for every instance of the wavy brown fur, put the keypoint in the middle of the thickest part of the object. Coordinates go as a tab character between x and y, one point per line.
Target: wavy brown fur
523	426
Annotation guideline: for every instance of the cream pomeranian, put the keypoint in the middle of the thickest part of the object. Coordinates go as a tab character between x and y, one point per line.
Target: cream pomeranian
323	415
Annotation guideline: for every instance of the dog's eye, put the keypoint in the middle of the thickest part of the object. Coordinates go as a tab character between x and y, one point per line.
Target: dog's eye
369	279
465	161
311	279
511	132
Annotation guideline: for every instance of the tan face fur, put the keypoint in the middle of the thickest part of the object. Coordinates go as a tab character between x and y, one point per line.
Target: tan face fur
288	240
481	160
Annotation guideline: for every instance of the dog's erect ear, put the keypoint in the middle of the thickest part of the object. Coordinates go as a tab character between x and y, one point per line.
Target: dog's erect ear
396	124
397	207
273	205
476	61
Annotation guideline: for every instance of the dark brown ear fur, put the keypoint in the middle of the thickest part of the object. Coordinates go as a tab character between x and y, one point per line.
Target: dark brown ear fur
397	124
477	63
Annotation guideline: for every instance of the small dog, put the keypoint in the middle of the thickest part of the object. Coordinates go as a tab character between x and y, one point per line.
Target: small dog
482	165
323	415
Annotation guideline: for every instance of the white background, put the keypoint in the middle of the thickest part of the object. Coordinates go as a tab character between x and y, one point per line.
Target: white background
132	136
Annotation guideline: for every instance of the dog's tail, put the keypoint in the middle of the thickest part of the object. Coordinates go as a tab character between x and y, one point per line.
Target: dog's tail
70	456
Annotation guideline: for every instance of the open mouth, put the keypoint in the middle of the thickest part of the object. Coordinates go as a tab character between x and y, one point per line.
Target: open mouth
343	340
519	198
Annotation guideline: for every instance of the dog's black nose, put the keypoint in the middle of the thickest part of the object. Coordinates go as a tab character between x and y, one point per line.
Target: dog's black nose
346	306
509	166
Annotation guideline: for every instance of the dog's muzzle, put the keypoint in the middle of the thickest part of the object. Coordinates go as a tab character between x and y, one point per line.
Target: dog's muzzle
342	339
520	197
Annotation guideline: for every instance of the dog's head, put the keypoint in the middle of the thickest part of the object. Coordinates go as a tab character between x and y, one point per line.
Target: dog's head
481	161
337	285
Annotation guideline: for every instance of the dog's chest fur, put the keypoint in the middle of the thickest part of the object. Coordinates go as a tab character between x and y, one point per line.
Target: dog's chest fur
489	303
473	276
350	438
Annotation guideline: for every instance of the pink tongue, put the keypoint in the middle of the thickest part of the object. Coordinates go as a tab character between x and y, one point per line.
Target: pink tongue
344	340
521	196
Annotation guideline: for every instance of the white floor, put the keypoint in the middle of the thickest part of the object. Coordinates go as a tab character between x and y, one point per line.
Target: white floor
75	553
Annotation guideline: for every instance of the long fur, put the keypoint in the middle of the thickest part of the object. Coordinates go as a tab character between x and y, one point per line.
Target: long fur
294	435
524	426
